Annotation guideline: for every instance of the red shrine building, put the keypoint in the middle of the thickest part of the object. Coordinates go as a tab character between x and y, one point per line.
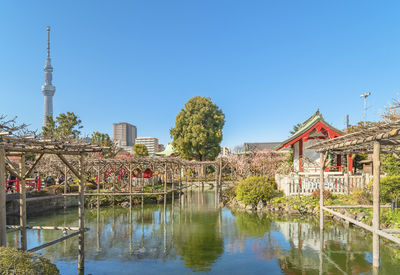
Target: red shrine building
307	161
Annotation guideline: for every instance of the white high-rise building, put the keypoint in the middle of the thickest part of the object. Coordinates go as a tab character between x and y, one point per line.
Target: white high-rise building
150	142
48	89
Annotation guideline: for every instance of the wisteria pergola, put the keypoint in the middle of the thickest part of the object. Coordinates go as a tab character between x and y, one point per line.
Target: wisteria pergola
20	147
384	138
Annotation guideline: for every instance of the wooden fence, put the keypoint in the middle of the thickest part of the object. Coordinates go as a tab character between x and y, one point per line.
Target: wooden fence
307	184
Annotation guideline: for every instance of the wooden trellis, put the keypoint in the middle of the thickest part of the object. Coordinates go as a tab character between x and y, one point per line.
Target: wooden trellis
384	138
20	147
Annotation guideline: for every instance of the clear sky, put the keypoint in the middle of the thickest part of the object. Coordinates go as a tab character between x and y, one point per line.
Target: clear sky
267	64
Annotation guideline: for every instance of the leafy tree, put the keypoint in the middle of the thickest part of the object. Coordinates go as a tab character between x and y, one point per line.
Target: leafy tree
391	165
104	140
140	150
390	188
295	128
65	125
360	126
198	129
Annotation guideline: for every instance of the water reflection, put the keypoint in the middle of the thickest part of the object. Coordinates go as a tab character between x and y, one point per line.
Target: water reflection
193	234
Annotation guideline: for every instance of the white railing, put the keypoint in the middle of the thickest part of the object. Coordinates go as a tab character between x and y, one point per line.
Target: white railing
307	184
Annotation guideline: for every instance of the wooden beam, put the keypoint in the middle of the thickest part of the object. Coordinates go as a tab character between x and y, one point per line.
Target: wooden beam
356	206
57	240
12	172
391	231
72	169
353	221
34	227
47	151
33	165
388	236
12	164
3	214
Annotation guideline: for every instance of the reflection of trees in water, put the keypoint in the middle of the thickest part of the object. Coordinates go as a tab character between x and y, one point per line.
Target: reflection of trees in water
197	235
199	243
251	225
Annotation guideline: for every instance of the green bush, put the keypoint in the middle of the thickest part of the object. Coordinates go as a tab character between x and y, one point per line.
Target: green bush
254	189
13	261
362	195
391	165
390	188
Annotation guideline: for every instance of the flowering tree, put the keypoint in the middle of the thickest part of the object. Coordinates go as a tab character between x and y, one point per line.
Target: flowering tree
259	163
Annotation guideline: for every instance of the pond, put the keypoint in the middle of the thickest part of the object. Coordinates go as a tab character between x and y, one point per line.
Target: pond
196	235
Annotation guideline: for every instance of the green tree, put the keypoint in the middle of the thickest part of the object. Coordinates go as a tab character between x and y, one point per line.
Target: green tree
198	129
296	128
65	125
140	150
104	140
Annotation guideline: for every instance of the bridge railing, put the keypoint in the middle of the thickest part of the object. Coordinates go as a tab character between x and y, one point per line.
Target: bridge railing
14	186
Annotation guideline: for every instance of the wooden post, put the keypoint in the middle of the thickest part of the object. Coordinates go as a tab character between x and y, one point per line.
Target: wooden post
65	186
198	174
81	215
376	205
321	191
152	178
220	173
165	185
22	203
172	186
130	185
3	230
98	186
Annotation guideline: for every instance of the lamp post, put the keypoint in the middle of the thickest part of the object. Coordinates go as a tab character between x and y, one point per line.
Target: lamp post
365	95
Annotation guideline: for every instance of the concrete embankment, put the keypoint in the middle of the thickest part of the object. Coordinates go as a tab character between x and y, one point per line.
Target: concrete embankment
39	205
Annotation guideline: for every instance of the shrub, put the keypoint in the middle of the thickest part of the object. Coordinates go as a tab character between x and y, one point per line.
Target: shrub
390	188
13	261
316	194
362	196
254	189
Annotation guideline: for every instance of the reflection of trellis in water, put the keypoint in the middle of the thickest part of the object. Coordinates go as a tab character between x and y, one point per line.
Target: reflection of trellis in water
336	184
19	147
384	138
308	234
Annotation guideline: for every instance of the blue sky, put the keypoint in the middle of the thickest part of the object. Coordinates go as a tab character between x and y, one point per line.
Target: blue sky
267	64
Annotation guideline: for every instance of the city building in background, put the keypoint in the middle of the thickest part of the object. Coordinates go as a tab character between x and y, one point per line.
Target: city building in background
259	146
225	151
150	142
124	135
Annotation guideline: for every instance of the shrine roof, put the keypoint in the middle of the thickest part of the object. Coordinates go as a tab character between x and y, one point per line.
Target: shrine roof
308	125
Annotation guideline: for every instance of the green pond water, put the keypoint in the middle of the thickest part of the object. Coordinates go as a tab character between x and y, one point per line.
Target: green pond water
196	235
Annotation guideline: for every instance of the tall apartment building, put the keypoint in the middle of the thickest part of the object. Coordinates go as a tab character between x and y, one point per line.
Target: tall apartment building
150	142
124	134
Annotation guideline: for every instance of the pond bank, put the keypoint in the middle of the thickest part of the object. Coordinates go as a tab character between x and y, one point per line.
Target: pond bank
38	206
308	206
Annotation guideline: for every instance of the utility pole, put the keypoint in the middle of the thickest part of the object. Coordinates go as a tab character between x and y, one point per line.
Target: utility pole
365	95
